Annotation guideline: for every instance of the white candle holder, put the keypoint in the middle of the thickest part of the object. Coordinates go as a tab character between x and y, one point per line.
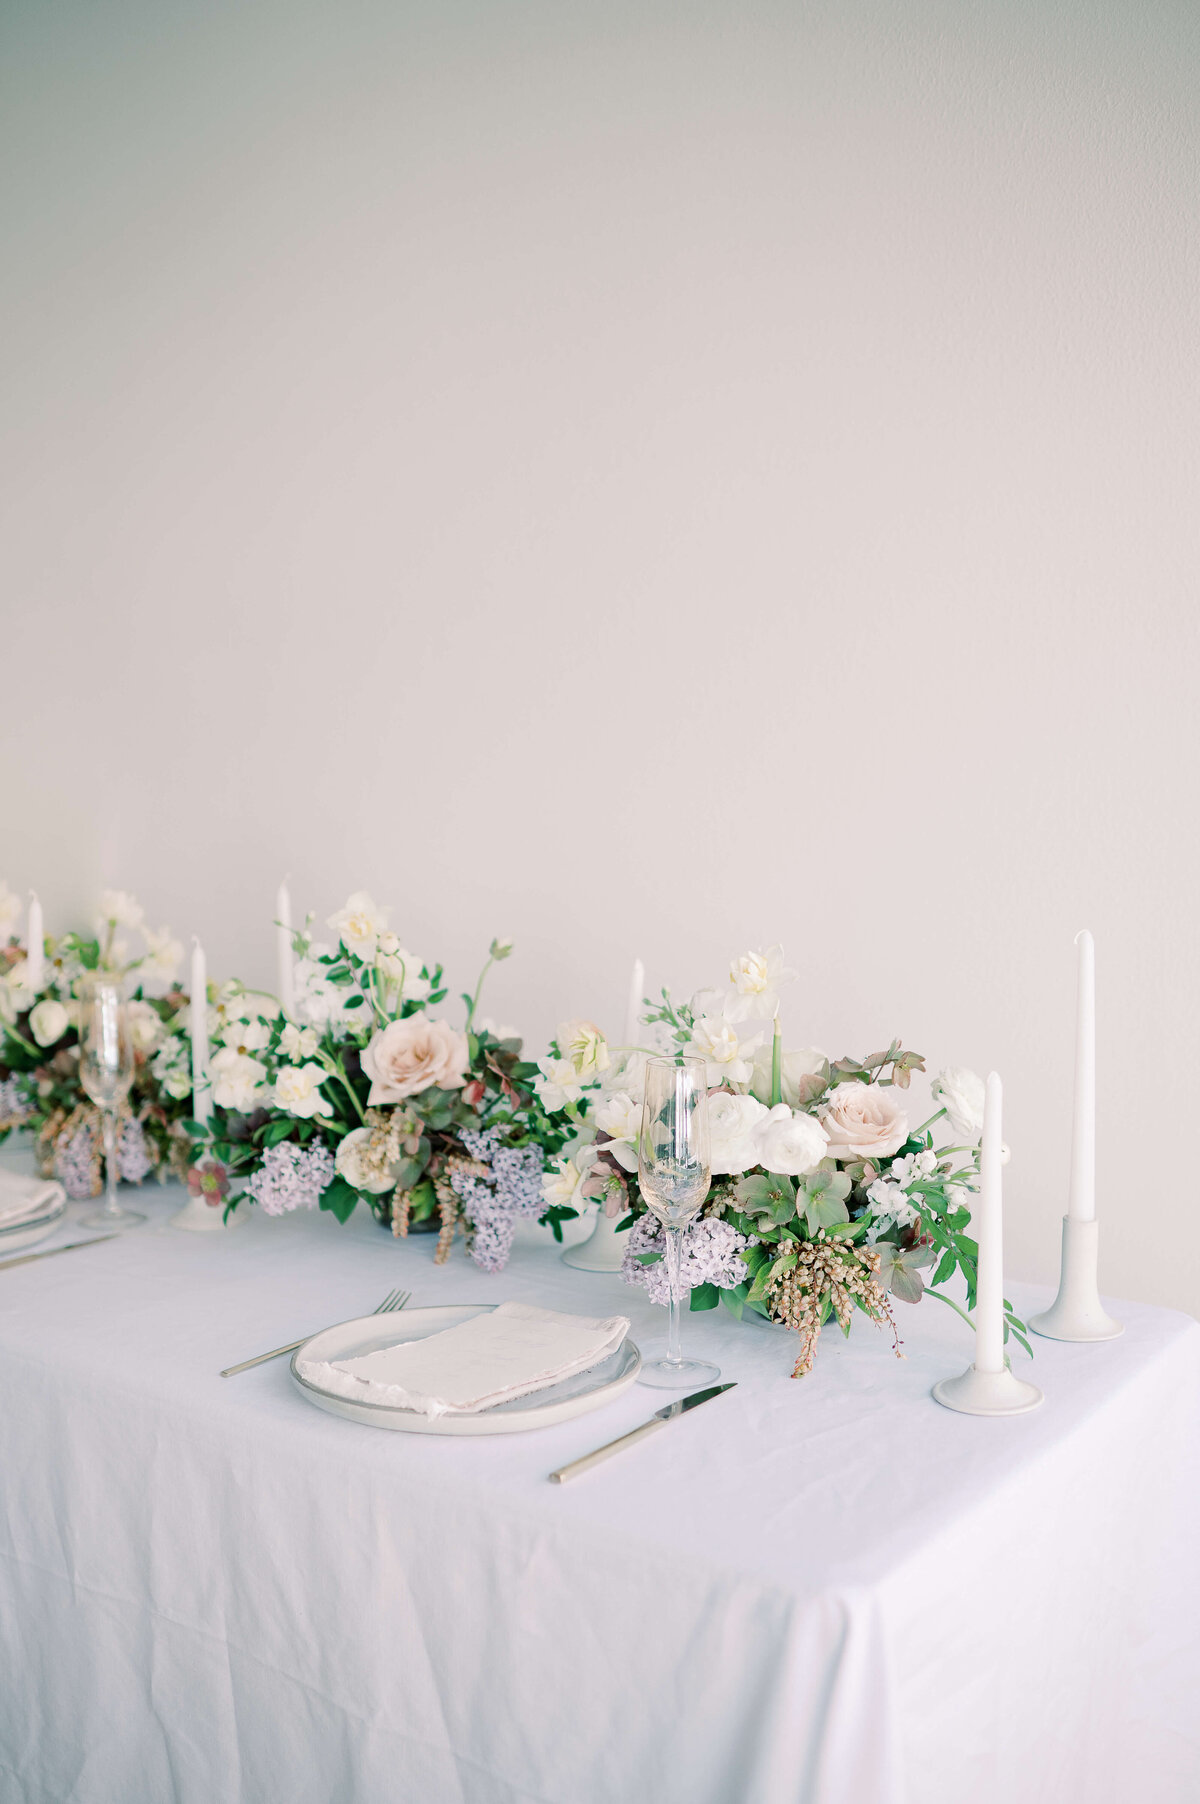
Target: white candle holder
1077	1312
977	1393
199	1217
602	1251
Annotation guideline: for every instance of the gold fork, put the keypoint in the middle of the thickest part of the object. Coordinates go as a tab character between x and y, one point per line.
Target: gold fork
395	1299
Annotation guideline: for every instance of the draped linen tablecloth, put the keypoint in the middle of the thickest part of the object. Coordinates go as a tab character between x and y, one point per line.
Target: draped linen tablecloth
827	1590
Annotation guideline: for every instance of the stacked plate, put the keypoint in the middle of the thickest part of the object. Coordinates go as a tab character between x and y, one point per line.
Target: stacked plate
30	1209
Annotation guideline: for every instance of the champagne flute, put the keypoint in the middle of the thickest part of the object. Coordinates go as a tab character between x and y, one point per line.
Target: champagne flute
106	1074
673	1174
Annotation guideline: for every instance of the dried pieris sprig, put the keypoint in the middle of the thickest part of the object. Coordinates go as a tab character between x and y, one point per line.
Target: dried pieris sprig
829	1276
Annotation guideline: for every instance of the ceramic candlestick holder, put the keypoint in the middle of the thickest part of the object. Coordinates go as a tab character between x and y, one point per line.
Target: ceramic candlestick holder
988	1393
602	1251
199	1217
1077	1312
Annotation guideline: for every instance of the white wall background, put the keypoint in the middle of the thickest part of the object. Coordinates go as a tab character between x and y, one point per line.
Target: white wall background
640	478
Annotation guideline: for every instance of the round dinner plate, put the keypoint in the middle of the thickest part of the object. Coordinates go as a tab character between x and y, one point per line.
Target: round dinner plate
28	1233
368	1333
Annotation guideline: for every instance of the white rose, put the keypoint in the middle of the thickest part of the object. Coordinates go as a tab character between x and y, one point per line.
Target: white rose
961	1093
48	1022
359	925
560	1186
726	1054
298	1091
298	1042
145	1026
807	1062
585	1046
118	907
791	1142
357	1171
620	1117
238	1082
247	1036
733	1124
864	1121
557	1084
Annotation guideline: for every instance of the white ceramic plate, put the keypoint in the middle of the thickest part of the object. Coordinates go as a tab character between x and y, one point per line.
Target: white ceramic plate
28	1233
367	1333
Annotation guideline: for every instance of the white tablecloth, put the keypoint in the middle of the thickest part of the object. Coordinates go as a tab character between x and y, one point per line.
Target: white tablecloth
830	1590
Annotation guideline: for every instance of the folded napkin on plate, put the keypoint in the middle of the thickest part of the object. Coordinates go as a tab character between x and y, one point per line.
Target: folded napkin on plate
508	1352
24	1199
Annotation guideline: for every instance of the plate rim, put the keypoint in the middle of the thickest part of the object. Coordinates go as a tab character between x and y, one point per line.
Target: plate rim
399	1409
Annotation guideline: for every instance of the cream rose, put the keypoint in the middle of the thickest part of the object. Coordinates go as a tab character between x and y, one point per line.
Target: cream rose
864	1121
414	1055
791	1142
48	1022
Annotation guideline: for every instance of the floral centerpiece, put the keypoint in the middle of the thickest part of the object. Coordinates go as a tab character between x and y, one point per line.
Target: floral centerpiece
369	1094
825	1200
39	1051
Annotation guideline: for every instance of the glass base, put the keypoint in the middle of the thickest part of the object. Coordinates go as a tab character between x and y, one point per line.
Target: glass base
111	1219
678	1374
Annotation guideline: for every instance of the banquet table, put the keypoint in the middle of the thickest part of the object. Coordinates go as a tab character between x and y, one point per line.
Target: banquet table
825	1590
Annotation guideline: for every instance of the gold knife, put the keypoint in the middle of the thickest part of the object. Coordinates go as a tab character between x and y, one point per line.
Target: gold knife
28	1258
658	1420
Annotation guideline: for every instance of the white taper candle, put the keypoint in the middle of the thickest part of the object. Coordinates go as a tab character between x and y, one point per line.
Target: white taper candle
198	1024
637	986
283	949
989	1232
1081	1198
35	957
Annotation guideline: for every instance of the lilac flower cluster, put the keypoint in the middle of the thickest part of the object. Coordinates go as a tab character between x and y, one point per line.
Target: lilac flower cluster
495	1204
711	1255
291	1177
133	1155
14	1103
73	1165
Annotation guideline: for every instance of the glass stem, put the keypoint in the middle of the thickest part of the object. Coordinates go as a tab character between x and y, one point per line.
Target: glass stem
674	1266
111	1206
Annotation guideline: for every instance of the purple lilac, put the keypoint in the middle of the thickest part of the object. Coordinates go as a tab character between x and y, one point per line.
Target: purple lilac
494	1204
711	1255
291	1177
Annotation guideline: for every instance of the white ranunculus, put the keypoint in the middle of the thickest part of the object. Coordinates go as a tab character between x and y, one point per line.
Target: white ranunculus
628	1073
298	1091
358	1172
48	1022
10	911
791	1142
238	1082
359	925
961	1093
247	1036
145	1026
726	1053
298	1042
119	907
733	1126
585	1046
806	1062
560	1187
557	1083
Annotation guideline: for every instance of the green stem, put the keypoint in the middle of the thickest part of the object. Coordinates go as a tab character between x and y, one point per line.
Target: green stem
926	1124
777	1065
929	1292
334	1068
478	992
37	1051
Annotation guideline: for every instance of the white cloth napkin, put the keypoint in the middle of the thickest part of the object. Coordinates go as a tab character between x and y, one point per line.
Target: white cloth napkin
25	1199
508	1352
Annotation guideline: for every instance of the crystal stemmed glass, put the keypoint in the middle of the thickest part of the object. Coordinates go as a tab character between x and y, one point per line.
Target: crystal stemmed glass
673	1174
106	1073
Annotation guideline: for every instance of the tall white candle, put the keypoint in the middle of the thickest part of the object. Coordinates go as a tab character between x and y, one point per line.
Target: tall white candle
989	1232
35	957
198	1023
637	987
283	949
1081	1203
